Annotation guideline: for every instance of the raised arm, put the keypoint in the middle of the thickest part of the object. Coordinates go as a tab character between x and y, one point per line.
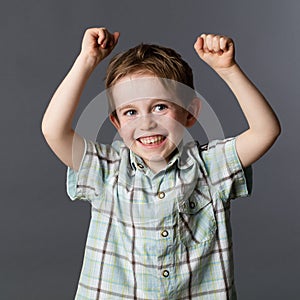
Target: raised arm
57	129
264	128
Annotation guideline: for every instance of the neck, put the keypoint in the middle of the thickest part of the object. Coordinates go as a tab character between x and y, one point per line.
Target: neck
156	165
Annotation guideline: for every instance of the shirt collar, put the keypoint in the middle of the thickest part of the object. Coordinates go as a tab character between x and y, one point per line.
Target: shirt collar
180	156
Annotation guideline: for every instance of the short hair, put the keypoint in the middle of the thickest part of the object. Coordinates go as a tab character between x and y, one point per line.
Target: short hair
161	61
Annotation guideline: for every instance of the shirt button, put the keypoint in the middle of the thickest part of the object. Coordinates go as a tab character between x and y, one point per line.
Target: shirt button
161	195
164	233
192	204
140	166
165	273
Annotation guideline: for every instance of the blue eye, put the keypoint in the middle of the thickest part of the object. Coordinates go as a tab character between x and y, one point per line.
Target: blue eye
160	107
130	112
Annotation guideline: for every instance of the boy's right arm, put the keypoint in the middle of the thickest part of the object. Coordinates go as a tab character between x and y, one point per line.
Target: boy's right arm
57	129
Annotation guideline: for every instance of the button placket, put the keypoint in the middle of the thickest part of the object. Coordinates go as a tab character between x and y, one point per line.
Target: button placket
166	257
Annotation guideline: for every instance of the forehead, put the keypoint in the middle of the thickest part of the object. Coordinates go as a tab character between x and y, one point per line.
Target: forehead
136	87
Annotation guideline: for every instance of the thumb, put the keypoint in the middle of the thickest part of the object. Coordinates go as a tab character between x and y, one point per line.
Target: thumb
198	46
116	36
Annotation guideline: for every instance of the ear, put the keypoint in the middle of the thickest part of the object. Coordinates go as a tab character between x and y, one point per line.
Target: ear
193	112
114	120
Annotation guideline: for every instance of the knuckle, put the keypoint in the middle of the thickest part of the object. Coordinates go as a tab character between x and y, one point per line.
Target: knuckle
225	39
88	30
208	37
102	31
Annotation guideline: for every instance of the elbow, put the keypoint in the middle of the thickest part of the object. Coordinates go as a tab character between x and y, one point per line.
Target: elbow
274	133
48	131
46	134
45	128
268	135
54	130
52	133
276	130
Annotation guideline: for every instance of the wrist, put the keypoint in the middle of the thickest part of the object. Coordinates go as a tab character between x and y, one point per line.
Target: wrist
88	62
228	71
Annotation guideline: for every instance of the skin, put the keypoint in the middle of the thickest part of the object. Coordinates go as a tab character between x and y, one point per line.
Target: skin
152	128
215	50
264	128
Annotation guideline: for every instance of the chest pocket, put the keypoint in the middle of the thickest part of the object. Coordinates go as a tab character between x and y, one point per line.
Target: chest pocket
196	218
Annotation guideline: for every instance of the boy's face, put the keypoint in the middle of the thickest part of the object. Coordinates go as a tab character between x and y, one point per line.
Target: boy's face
149	123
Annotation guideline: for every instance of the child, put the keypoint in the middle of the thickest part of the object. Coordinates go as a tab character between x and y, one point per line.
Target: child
160	226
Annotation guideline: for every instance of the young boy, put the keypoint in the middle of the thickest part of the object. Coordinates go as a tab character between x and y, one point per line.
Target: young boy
160	226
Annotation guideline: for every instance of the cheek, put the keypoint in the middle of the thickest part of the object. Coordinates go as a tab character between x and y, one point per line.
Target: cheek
126	131
176	122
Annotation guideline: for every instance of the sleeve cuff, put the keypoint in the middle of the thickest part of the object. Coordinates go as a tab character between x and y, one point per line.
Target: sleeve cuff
242	177
72	179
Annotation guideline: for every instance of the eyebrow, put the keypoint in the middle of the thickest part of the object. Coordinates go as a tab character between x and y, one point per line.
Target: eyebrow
128	106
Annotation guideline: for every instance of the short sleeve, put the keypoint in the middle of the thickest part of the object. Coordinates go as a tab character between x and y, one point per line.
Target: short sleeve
226	176
93	173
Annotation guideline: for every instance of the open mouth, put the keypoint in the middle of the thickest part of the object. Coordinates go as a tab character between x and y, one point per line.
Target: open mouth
152	140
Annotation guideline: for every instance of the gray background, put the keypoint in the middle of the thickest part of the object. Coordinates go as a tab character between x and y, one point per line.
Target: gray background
43	233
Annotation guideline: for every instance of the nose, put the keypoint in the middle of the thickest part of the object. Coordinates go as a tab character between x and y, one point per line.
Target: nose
147	122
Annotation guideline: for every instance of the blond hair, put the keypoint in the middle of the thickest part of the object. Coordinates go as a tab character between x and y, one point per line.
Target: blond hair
161	61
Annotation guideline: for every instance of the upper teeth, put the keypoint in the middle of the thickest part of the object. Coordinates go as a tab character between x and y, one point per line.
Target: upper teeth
152	139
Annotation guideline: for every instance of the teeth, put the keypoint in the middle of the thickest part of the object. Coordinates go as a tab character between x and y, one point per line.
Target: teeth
151	140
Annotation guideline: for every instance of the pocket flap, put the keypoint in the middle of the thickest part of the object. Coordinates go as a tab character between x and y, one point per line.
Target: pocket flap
195	202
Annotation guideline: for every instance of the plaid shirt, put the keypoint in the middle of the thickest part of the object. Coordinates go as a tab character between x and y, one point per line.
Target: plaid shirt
159	236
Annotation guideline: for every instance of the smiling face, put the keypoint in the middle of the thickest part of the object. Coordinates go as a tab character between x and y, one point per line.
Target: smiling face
150	123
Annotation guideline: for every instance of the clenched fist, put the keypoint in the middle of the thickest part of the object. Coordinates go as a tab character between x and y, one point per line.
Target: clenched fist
97	43
216	50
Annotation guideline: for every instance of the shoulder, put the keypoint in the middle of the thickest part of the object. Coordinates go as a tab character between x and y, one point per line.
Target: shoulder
217	148
219	156
107	151
210	149
103	156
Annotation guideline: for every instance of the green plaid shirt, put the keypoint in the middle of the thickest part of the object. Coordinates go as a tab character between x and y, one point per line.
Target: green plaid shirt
159	236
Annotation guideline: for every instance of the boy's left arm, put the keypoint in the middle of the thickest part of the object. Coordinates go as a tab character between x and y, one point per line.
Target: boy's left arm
264	128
